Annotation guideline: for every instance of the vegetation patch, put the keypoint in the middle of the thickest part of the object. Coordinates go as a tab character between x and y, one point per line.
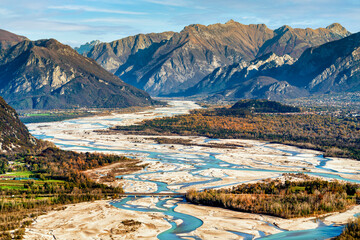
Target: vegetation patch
351	231
264	106
287	199
53	116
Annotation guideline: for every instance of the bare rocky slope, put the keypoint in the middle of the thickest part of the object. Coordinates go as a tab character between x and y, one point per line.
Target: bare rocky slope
169	63
46	74
14	136
8	39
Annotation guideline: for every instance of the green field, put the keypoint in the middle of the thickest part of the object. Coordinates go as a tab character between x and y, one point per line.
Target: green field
24	174
38	114
12	184
19	184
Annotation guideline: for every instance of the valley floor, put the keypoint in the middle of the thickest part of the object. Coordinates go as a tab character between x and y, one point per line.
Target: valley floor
178	168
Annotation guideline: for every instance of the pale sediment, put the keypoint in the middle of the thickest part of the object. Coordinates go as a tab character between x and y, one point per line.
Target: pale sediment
97	220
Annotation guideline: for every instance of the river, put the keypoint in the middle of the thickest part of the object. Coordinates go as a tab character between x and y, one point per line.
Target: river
177	168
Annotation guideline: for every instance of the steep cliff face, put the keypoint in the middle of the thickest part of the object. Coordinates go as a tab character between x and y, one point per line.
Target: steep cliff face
46	74
8	39
181	60
112	55
14	136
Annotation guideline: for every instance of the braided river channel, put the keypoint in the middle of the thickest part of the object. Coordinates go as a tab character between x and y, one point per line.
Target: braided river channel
176	168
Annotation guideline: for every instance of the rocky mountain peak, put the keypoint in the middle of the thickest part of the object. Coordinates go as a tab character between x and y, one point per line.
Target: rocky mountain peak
85	48
52	44
338	29
283	29
260	26
193	28
231	21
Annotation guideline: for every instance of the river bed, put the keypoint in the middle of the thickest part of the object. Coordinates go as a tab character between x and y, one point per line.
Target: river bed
178	168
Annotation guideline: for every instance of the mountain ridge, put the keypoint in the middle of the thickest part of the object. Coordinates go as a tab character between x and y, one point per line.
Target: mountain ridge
46	74
8	39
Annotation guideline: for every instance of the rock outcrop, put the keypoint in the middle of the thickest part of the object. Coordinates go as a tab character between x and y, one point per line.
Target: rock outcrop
14	136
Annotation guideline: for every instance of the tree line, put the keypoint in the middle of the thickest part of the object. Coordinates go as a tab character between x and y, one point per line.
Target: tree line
287	200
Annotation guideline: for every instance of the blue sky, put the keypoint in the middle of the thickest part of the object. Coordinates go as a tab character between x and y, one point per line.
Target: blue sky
75	22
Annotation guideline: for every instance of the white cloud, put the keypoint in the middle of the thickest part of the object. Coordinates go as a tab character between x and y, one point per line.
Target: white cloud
7	13
172	3
93	9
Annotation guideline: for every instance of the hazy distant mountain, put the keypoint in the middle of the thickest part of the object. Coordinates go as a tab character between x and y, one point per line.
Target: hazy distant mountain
46	74
333	67
85	48
8	39
180	60
14	136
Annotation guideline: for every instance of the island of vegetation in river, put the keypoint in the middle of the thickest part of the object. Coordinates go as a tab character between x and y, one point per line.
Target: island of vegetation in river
337	136
289	199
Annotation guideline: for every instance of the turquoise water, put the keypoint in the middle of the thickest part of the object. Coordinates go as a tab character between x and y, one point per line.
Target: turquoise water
319	233
197	163
189	223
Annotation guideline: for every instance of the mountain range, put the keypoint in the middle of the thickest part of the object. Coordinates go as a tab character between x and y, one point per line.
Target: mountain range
170	63
227	61
46	74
